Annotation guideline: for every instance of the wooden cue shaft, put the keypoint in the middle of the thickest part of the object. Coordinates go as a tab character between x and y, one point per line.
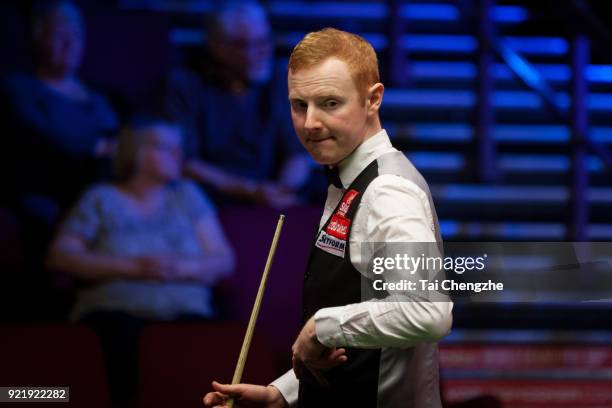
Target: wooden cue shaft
255	312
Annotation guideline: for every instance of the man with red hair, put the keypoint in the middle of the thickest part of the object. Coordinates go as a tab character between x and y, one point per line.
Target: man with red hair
351	352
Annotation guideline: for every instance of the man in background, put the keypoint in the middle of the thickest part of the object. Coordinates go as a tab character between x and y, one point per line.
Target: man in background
232	103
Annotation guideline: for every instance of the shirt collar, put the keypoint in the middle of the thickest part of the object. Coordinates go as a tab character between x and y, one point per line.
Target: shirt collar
352	165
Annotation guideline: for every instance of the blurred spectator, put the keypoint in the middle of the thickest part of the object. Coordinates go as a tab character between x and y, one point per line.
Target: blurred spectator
57	137
56	126
233	102
146	248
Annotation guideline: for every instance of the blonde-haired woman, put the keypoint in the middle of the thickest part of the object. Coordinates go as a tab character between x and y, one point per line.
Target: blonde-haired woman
148	247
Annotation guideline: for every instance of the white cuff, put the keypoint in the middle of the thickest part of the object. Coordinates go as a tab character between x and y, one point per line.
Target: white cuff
328	326
289	386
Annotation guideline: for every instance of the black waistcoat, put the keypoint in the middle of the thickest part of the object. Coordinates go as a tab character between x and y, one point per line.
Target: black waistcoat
331	280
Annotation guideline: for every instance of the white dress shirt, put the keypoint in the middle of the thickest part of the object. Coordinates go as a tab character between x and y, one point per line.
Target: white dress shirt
392	209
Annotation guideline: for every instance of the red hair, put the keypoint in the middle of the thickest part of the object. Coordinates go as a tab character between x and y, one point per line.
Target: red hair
354	50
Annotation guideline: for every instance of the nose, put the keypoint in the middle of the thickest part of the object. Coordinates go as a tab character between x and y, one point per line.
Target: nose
312	121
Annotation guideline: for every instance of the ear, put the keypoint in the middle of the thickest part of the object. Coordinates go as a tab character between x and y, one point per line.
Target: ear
374	98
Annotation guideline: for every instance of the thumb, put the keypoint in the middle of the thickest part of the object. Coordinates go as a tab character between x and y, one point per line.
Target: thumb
233	390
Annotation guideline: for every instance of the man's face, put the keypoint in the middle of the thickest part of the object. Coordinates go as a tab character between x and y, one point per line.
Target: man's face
61	44
328	112
245	48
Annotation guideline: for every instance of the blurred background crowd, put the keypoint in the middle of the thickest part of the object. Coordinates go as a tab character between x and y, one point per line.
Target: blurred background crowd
148	148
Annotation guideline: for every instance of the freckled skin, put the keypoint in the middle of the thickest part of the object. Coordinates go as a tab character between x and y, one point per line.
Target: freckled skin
330	116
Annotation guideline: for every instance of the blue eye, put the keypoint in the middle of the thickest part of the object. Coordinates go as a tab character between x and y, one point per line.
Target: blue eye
331	103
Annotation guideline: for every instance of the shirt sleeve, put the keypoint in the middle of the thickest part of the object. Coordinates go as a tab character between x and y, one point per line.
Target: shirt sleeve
393	209
84	219
289	386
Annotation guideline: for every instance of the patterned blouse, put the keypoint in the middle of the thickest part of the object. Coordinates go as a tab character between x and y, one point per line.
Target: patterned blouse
108	220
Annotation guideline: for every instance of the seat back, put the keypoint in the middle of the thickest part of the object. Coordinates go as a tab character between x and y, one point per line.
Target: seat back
250	231
178	361
55	355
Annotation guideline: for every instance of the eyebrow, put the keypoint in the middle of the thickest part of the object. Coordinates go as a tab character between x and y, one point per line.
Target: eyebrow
321	96
329	95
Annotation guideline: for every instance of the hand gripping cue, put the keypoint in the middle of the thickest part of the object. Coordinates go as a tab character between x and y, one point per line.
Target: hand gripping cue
255	312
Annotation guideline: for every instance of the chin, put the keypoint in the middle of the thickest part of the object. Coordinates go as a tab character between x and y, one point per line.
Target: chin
324	160
326	157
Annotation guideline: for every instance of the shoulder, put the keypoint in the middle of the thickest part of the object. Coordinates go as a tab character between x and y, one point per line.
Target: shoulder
94	204
95	208
394	186
186	187
102	107
190	198
98	193
390	195
189	193
398	177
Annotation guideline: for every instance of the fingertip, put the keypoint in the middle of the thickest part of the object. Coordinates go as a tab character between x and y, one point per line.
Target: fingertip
207	399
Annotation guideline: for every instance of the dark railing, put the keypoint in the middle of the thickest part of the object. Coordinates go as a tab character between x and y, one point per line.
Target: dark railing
396	57
485	115
580	126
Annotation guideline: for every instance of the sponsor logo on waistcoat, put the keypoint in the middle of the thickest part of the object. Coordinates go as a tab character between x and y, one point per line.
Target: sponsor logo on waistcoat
338	227
333	239
331	244
348	198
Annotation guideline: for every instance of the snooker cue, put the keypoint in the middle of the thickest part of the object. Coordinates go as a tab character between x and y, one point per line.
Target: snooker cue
255	312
